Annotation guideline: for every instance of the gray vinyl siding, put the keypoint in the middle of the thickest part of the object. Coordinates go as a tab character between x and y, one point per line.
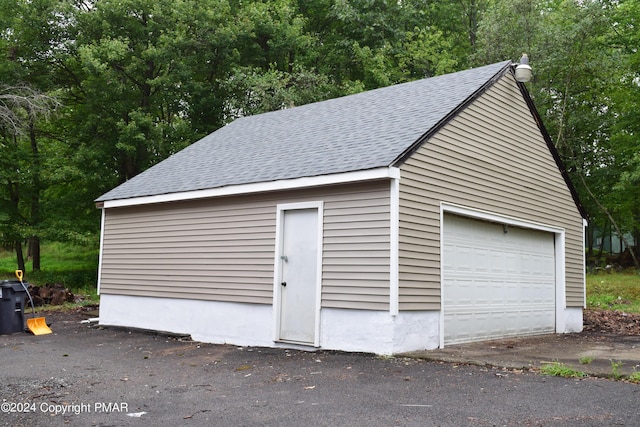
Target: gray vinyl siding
222	249
492	157
356	250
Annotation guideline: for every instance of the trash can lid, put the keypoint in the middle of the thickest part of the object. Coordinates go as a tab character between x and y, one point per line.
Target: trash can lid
12	284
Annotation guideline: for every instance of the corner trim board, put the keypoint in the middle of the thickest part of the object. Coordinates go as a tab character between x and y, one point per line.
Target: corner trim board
394	229
102	221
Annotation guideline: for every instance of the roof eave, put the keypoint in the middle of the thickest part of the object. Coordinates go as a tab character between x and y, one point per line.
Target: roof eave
259	187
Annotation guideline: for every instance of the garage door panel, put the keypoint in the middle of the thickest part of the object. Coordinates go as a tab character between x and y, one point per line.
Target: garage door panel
496	284
486	324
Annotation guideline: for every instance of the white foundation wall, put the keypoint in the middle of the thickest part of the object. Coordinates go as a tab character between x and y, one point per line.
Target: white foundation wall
572	322
378	331
252	324
206	321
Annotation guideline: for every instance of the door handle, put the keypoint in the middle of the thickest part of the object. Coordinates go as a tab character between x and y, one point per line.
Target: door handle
284	283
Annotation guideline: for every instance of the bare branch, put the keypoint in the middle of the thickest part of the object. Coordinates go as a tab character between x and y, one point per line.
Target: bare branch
22	105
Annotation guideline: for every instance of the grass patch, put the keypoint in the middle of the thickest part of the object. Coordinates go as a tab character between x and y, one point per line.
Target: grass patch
615	291
557	369
75	267
54	257
87	301
615	369
635	377
586	360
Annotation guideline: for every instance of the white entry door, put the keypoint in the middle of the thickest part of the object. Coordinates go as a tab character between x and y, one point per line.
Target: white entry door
498	281
299	275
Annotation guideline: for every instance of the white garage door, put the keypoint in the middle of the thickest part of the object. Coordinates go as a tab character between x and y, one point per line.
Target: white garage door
497	282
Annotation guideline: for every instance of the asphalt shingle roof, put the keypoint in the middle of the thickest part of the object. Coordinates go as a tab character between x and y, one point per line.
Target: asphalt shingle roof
357	132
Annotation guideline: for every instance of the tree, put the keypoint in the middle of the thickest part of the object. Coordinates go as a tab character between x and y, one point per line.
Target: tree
20	167
35	38
365	44
138	80
625	132
128	112
577	74
34	35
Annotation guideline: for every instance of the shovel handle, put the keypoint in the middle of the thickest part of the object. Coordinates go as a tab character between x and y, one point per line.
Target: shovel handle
19	275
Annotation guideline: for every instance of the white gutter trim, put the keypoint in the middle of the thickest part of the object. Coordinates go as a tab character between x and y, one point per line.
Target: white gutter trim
285	184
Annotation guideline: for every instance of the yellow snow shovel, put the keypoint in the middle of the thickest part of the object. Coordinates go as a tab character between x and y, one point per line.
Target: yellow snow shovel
37	325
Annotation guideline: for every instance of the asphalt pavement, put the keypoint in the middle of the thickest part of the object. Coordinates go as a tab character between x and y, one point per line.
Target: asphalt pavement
87	375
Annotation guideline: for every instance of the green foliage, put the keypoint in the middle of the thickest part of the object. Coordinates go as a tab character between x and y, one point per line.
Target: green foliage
614	291
585	87
625	96
74	266
508	29
425	52
586	360
139	80
254	91
615	369
83	280
134	59
557	369
59	257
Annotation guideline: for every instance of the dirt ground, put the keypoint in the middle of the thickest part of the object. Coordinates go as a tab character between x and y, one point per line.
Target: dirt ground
611	322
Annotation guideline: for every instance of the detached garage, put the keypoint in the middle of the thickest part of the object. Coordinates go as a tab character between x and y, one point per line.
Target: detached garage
410	217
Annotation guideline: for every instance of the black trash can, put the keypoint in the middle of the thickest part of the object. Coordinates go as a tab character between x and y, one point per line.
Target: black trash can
12	296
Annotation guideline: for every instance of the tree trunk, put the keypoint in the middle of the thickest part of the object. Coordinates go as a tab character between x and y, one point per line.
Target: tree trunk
34	241
34	251
612	221
19	255
472	22
601	248
590	238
